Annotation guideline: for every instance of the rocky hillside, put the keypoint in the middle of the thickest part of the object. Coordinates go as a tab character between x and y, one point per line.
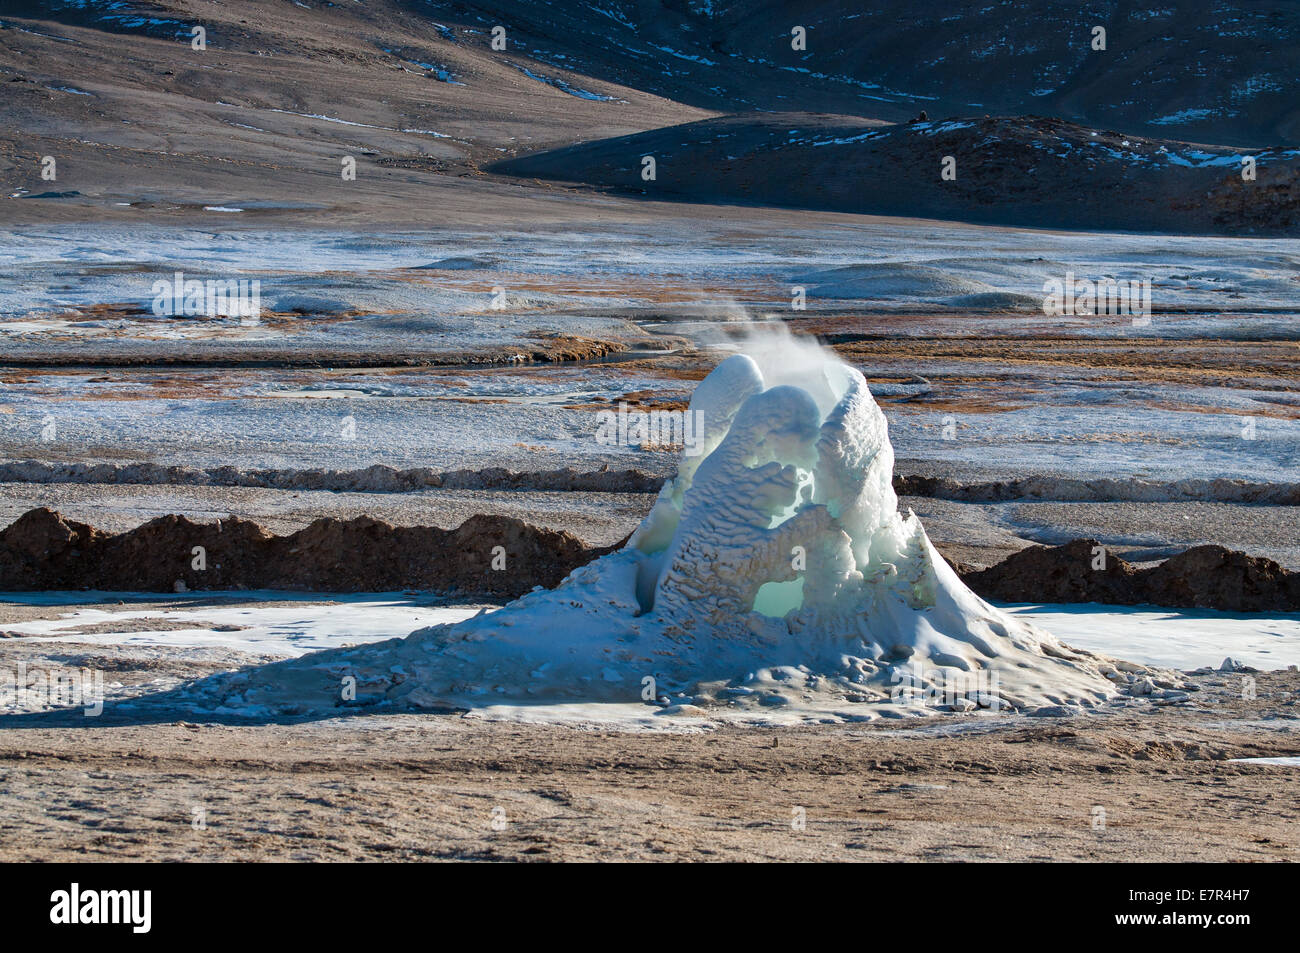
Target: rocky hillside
417	94
1186	69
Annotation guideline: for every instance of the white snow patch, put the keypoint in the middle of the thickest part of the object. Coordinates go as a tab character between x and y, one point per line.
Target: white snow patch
1182	639
289	631
1185	116
564	87
1196	158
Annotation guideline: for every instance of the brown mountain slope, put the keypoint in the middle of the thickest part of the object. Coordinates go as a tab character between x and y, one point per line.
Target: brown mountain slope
141	124
144	125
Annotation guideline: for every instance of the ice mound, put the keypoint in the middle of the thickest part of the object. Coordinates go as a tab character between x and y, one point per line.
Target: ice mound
774	576
895	280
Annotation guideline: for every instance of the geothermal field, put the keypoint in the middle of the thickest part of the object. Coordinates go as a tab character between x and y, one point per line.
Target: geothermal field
649	431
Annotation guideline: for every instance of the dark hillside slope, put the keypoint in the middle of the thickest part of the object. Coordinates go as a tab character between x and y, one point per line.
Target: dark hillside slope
1009	171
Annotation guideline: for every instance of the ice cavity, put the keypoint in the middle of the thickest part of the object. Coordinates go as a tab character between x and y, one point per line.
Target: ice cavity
773	574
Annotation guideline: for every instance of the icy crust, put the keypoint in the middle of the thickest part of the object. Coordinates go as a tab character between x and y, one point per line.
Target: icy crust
774	573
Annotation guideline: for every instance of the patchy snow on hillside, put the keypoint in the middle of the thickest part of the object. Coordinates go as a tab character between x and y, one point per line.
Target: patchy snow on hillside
564	87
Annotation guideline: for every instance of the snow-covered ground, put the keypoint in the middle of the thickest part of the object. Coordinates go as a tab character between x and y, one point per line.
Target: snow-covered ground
1184	639
890	264
261	418
85	294
307	625
1169	638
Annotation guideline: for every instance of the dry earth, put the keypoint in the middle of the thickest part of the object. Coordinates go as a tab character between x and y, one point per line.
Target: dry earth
418	788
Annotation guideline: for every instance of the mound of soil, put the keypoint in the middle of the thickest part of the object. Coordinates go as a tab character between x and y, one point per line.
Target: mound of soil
1204	577
489	556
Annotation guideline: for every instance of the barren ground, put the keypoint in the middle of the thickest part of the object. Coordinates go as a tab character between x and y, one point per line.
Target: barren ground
408	787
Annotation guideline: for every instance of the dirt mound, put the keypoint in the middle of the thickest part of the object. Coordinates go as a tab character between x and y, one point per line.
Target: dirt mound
1204	577
39	544
490	556
43	550
1215	577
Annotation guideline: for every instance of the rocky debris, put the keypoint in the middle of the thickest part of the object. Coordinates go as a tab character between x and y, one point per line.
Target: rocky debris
1203	577
1142	686
1057	574
42	537
1230	664
488	556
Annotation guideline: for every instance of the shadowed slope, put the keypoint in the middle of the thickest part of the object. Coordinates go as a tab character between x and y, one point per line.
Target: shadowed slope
1008	171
